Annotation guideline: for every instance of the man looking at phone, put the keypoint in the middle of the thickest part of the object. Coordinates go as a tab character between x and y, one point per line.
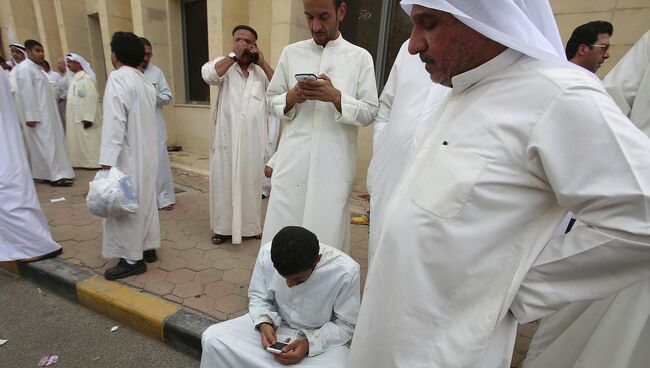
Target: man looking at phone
314	167
238	142
302	292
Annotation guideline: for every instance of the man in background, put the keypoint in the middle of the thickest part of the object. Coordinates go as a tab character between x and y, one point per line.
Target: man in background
588	46
165	194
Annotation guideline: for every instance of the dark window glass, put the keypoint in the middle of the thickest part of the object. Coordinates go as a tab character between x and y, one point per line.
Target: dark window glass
398	32
361	24
195	32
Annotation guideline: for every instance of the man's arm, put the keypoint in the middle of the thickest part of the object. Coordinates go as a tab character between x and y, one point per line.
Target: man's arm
209	70
28	97
163	93
385	105
278	97
91	101
339	330
114	122
597	164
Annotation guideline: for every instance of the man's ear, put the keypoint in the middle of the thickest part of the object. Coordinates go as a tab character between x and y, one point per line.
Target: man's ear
583	49
342	10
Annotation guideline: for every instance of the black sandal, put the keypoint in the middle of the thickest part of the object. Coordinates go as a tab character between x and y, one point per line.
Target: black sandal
62	183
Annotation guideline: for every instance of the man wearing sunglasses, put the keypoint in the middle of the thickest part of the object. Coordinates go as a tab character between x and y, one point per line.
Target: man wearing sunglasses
589	44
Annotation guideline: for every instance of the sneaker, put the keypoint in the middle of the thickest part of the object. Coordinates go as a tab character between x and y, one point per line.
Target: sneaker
150	256
123	269
361	220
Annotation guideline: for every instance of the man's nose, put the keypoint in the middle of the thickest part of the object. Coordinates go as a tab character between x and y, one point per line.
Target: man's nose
416	43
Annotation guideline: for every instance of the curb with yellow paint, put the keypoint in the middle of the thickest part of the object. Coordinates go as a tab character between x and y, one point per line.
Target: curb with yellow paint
168	322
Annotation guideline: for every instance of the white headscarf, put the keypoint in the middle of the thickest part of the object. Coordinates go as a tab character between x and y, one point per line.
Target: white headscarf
19	47
527	26
84	64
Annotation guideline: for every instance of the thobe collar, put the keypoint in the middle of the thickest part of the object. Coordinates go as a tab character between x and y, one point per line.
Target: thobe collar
331	44
79	74
251	68
32	64
463	81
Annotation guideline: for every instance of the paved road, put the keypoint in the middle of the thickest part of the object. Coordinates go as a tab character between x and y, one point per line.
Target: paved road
38	323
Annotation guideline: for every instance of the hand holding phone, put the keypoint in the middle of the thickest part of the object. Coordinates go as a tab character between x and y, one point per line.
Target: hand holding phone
277	347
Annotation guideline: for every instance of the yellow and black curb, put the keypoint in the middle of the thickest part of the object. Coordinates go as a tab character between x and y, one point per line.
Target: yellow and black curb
155	317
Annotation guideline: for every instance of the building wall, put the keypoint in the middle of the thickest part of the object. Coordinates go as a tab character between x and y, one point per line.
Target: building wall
86	26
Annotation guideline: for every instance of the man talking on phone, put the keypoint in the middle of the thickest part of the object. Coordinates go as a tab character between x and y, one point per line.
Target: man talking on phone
303	294
313	170
239	127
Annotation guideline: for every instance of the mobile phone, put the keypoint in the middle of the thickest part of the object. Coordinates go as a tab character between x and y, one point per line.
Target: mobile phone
303	77
277	347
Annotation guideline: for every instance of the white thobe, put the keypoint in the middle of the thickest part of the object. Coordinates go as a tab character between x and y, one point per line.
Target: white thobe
46	142
62	91
482	198
24	232
127	144
323	309
315	165
273	132
164	181
83	105
614	332
239	124
406	106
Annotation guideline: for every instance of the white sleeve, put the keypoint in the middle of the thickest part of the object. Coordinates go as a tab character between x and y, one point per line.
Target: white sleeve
276	94
261	305
606	184
163	93
361	109
116	109
209	73
385	105
340	329
28	96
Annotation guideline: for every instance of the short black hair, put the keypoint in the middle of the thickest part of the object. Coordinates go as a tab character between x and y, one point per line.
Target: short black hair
587	34
145	42
127	48
246	28
294	249
30	44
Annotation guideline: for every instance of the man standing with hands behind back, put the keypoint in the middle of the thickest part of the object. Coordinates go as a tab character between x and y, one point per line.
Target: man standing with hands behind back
238	138
314	167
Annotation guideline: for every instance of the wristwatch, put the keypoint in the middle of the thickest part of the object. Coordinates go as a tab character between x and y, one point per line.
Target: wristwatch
233	56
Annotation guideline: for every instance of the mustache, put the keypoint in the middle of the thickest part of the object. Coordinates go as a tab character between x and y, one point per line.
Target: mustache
426	59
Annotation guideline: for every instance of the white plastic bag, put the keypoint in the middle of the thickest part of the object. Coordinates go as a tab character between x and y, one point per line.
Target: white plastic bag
111	194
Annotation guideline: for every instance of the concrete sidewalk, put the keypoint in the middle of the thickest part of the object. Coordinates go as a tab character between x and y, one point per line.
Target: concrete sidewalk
191	272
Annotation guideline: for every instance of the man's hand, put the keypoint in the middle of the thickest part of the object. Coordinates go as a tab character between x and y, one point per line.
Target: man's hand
31	124
294	96
87	124
260	57
239	48
268	334
321	90
268	172
293	353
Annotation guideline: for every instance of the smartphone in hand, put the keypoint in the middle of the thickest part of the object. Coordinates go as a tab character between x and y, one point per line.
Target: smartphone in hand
277	347
303	77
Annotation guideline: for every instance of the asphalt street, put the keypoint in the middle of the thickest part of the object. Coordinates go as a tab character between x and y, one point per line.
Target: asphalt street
37	323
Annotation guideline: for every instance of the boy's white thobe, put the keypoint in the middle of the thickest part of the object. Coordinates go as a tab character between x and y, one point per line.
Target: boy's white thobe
238	143
614	332
83	105
128	145
315	165
324	309
518	143
24	232
164	181
46	142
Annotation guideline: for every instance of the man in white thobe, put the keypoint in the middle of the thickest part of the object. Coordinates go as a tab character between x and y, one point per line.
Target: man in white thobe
164	182
35	98
24	233
239	138
128	145
524	137
613	332
315	165
62	85
83	131
301	292
405	113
